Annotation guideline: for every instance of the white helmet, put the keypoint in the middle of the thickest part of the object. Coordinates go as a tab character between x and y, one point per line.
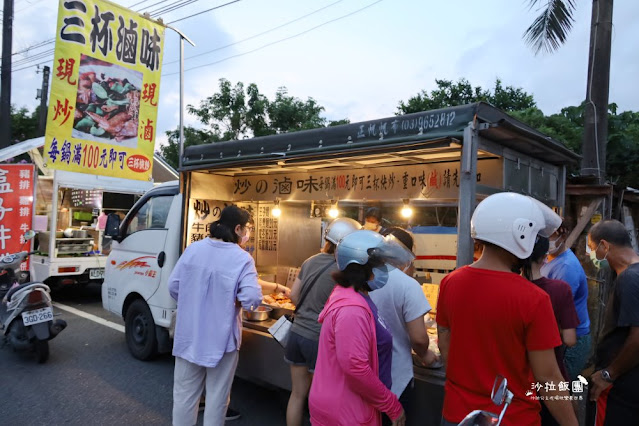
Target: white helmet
553	220
512	221
339	228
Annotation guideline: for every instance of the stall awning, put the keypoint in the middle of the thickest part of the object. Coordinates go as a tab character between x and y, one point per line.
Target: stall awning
436	131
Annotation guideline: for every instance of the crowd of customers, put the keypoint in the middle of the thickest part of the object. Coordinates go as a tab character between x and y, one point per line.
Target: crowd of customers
519	311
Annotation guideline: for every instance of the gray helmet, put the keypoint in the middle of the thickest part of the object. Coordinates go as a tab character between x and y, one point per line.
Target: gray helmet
360	246
339	228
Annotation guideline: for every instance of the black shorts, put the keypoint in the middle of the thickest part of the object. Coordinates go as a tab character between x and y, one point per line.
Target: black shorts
301	351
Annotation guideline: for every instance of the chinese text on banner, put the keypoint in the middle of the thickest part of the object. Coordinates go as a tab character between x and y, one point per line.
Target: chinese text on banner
16	207
104	94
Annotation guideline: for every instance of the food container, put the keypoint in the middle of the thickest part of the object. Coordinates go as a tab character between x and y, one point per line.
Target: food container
276	312
260	313
77	233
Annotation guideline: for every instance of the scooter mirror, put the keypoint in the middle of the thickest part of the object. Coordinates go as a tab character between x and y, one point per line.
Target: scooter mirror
29	235
480	418
500	387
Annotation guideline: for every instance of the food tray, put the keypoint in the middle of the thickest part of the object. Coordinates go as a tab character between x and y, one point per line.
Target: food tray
276	313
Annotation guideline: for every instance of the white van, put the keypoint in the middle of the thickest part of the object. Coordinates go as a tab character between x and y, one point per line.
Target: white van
138	267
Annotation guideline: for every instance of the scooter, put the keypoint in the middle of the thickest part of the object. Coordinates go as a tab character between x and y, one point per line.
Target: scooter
499	395
26	314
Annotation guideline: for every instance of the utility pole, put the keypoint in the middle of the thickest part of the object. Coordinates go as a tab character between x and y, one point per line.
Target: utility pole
596	111
42	95
5	77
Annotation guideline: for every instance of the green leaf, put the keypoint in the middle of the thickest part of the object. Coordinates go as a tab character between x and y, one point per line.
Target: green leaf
97	131
111	102
550	29
99	91
117	87
85	122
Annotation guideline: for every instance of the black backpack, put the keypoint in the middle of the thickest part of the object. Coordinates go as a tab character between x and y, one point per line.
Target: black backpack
112	224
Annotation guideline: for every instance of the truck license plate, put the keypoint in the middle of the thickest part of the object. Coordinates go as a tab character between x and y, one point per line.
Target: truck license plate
37	316
96	274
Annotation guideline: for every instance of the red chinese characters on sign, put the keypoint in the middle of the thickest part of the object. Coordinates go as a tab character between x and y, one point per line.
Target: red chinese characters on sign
147	131
148	94
65	70
62	110
16	207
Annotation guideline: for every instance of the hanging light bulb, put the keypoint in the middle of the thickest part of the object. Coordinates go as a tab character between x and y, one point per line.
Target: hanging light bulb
276	212
407	211
333	212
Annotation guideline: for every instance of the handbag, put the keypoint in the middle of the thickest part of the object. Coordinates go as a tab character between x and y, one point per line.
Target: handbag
282	327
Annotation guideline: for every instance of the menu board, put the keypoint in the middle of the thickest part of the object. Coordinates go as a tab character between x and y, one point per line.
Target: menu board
90	199
267	233
267	229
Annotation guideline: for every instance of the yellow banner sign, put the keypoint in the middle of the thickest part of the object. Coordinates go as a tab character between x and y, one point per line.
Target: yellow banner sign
104	95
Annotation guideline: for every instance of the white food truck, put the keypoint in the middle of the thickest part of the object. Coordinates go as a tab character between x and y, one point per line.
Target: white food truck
438	164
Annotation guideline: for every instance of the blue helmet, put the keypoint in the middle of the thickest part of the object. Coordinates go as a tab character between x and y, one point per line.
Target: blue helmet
354	248
360	246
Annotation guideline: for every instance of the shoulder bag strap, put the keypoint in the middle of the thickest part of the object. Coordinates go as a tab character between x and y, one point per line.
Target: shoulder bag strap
308	288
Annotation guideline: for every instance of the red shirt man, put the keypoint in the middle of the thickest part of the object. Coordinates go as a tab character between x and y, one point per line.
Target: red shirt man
495	318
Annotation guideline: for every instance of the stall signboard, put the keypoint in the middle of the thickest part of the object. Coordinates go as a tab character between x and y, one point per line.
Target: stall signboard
16	207
433	180
86	198
105	89
203	212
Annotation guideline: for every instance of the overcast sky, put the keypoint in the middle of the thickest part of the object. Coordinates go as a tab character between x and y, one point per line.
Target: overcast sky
360	66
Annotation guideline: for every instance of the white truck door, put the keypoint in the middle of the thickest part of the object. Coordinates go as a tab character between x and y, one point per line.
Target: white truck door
134	264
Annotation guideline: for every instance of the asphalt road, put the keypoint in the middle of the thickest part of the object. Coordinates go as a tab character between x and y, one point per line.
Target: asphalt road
91	379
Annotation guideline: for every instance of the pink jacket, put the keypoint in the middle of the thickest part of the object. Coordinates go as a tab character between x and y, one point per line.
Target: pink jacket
346	389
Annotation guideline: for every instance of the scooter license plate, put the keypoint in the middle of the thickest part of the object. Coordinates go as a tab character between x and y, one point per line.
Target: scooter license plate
37	316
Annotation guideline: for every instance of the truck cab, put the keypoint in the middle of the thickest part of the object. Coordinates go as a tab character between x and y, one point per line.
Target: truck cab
142	256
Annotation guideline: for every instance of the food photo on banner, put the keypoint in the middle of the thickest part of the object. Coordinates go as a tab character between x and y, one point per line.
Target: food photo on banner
16	207
105	90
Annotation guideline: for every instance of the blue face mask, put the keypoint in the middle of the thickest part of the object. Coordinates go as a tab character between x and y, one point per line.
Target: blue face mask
380	278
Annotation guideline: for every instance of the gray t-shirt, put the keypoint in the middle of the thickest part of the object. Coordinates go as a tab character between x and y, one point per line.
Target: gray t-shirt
400	301
305	323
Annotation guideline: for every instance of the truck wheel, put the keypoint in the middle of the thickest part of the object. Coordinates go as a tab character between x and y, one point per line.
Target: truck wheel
140	331
42	350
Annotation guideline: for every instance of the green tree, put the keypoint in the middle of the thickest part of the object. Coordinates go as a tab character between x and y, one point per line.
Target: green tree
289	114
192	136
449	93
236	112
24	124
233	112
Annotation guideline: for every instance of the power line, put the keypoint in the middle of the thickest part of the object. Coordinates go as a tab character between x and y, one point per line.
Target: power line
204	11
35	46
171	7
260	34
42	55
280	40
31	66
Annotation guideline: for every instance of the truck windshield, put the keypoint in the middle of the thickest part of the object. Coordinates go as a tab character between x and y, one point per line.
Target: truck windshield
152	215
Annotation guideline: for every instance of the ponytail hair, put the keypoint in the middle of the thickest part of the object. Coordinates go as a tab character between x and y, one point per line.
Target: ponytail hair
224	228
537	256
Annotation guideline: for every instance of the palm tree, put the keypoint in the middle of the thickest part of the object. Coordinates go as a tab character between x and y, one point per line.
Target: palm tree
550	29
547	33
